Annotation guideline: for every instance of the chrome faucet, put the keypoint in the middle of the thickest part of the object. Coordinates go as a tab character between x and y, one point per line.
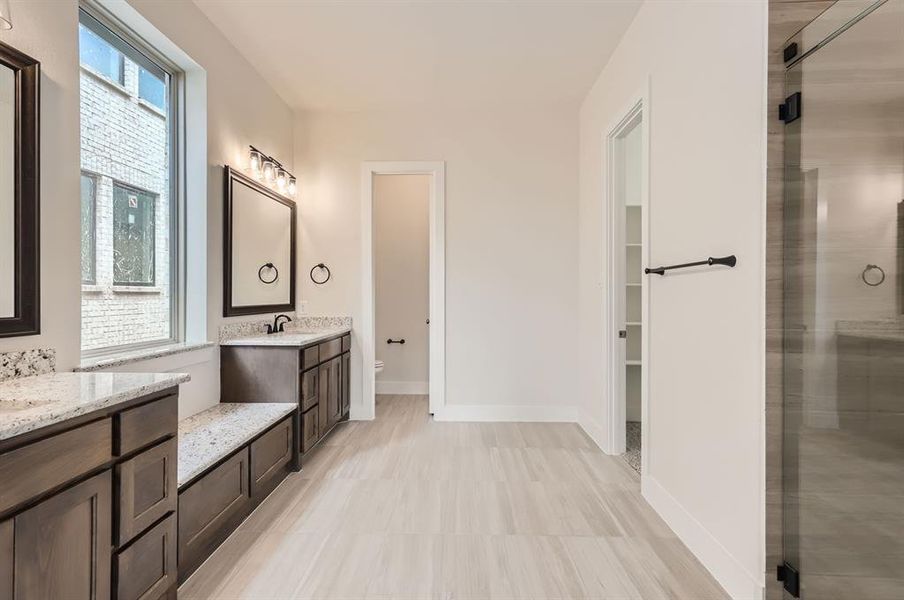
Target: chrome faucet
278	326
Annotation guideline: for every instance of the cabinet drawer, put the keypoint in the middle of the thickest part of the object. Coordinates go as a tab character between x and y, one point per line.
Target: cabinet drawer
142	425
309	392
146	570
330	349
310	357
346	342
270	454
210	509
40	466
310	428
147	489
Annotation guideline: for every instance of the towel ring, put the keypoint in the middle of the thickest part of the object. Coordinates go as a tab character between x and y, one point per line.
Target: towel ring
324	268
873	268
272	267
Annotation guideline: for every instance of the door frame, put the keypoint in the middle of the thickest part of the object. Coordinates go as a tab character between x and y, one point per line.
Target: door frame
614	319
437	294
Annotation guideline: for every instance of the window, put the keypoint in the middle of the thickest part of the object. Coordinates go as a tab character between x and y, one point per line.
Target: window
89	210
134	227
100	55
129	202
151	88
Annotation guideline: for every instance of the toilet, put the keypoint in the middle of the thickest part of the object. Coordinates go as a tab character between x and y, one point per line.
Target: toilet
378	366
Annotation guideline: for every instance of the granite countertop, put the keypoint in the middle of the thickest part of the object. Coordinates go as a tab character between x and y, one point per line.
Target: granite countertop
29	403
881	329
213	434
289	338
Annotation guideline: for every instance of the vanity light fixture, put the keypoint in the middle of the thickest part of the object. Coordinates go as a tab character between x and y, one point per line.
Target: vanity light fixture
255	165
269	170
6	21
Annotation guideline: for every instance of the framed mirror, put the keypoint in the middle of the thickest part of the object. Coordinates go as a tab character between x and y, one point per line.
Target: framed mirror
20	302
259	248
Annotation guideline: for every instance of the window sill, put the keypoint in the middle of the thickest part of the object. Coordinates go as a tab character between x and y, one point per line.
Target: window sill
109	361
106	80
136	289
151	107
91	288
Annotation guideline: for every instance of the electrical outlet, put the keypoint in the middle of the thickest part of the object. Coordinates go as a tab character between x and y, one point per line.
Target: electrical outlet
302	307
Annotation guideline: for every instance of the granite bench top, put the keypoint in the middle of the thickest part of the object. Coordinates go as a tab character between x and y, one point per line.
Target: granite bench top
29	403
213	434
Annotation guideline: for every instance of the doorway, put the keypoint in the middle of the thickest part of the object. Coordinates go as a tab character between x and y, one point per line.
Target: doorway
382	180
628	206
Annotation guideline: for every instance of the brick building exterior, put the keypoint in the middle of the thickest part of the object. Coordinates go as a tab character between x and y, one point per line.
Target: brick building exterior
124	153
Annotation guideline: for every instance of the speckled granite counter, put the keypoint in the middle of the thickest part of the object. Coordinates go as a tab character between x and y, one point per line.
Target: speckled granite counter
215	433
289	338
890	330
30	403
99	364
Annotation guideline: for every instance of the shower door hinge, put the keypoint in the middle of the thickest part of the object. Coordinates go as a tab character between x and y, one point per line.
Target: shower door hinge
790	579
790	110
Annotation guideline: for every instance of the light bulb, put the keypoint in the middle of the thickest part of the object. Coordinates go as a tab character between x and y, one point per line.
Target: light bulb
293	187
255	164
269	171
282	178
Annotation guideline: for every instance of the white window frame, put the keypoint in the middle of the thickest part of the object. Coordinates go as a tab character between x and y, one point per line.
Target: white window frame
175	116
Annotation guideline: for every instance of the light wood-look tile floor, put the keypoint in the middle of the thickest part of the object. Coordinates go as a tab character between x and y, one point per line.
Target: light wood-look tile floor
406	508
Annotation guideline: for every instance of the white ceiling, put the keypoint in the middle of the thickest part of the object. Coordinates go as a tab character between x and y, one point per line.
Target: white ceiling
386	54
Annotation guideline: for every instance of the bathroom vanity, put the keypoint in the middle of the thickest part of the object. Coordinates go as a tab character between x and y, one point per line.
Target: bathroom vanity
88	465
311	370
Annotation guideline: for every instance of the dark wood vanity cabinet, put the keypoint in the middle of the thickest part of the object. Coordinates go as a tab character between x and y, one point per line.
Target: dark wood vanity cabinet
78	521
317	377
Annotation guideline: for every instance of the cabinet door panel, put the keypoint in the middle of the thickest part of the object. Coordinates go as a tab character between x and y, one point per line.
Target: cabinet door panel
6	559
310	429
270	454
146	570
62	545
309	390
147	489
346	384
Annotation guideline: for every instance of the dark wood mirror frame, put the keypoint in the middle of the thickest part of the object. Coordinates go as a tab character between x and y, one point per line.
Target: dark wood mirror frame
27	197
231	176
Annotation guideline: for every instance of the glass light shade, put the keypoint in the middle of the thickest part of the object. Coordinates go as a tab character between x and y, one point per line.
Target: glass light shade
255	163
282	179
293	187
6	21
269	171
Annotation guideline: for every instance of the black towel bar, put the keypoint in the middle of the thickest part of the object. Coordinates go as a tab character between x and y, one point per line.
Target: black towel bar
728	261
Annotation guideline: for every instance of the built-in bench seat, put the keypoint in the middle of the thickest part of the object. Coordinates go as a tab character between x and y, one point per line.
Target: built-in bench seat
231	456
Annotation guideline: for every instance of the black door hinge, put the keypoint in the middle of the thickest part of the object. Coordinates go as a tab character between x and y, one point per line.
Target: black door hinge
790	111
790	51
790	579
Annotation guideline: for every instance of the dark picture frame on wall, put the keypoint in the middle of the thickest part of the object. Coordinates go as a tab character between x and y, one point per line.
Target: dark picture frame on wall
26	277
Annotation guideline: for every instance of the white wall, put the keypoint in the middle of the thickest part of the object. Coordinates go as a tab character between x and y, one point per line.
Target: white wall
402	280
705	64
242	109
7	197
511	252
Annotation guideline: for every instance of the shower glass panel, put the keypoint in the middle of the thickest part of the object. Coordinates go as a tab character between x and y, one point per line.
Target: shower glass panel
843	297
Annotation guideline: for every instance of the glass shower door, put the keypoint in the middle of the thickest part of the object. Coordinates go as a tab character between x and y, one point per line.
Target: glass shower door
843	464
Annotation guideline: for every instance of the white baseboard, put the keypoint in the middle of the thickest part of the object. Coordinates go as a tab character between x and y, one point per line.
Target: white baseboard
403	388
593	429
510	413
731	575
